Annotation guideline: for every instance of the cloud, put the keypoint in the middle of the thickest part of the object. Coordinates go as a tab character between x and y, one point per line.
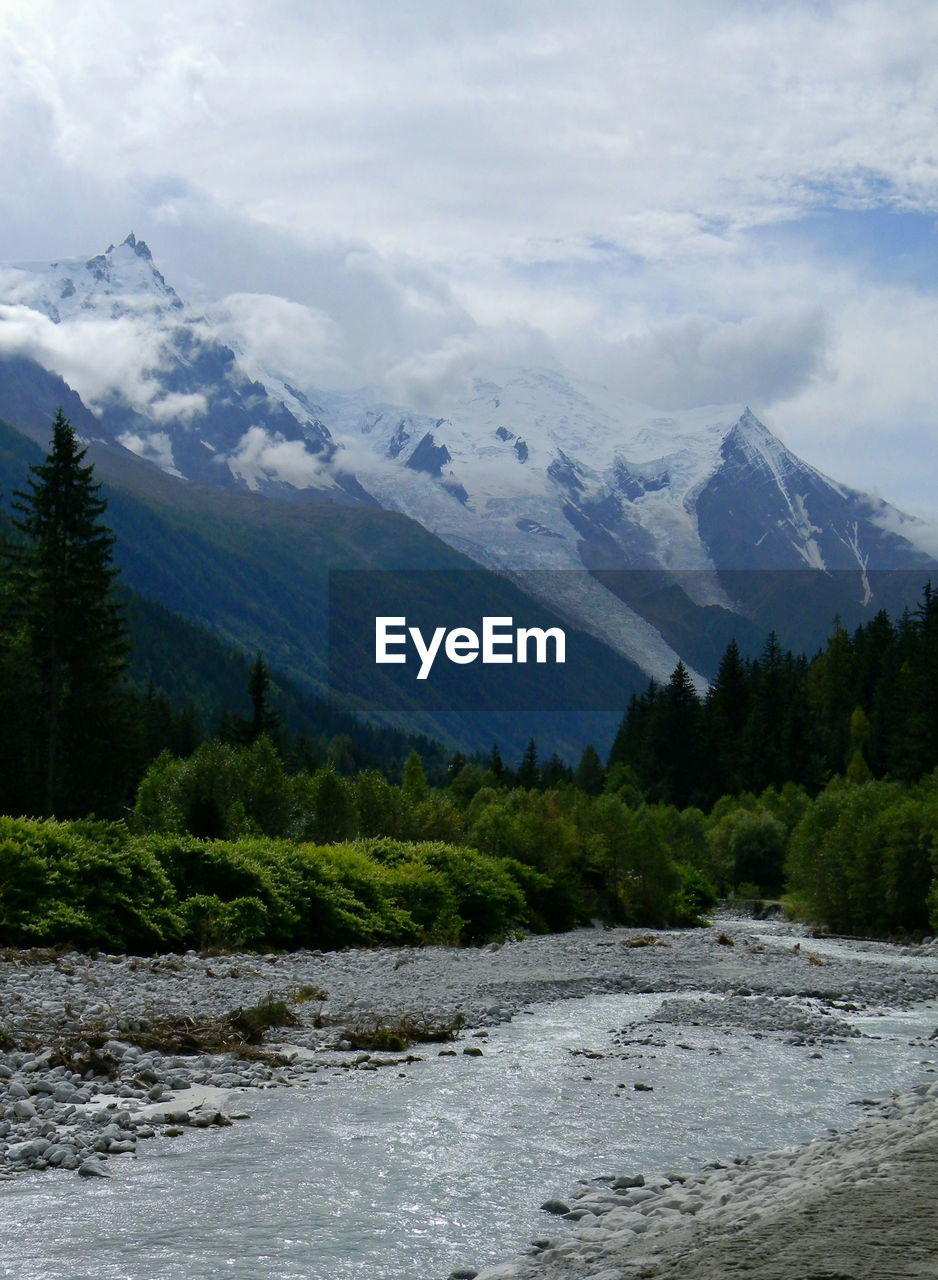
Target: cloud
429	381
488	129
921	533
263	455
155	446
178	406
98	356
292	341
328	306
700	360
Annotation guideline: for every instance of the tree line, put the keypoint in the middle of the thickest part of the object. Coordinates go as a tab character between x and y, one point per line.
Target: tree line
866	706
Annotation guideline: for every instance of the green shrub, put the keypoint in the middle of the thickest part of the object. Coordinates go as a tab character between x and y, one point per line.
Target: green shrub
218	792
82	883
213	925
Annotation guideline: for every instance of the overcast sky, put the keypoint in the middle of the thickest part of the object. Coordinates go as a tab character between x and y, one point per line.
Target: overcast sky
696	201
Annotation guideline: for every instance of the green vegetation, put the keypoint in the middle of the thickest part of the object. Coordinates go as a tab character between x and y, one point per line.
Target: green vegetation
864	858
100	886
860	858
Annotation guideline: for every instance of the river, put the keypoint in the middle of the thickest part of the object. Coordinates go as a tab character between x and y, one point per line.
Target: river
412	1171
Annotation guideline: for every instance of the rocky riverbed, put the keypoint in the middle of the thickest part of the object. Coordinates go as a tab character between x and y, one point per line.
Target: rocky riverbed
859	1206
84	1080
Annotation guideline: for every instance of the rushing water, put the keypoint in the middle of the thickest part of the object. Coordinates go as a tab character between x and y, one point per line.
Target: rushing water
407	1173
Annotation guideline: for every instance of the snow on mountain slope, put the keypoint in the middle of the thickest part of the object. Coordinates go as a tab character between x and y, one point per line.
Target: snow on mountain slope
517	466
536	471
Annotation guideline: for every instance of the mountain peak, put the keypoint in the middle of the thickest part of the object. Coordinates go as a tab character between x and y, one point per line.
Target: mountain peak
754	440
751	425
121	281
140	247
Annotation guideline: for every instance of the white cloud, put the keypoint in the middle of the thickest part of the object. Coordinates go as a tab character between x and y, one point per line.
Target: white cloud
871	420
494	125
286	338
95	356
178	406
922	533
700	360
430	380
155	446
262	455
491	127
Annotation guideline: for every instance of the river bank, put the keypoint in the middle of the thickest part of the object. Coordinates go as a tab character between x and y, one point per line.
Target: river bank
748	1034
858	1206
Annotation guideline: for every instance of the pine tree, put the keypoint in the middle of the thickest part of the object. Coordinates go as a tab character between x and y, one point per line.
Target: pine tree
633	746
832	695
528	774
676	735
19	695
726	709
263	720
555	773
590	775
72	633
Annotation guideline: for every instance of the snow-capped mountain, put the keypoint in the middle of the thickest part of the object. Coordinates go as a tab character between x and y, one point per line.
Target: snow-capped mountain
532	473
160	382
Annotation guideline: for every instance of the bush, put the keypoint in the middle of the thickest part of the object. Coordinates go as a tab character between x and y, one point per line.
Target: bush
213	925
84	883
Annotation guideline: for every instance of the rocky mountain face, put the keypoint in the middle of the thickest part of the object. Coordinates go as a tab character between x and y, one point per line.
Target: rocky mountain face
640	527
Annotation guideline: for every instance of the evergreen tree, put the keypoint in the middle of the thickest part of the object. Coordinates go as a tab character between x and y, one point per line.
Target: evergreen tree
726	710
70	635
767	739
590	775
923	730
832	698
633	746
876	670
529	774
677	737
555	773
264	719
